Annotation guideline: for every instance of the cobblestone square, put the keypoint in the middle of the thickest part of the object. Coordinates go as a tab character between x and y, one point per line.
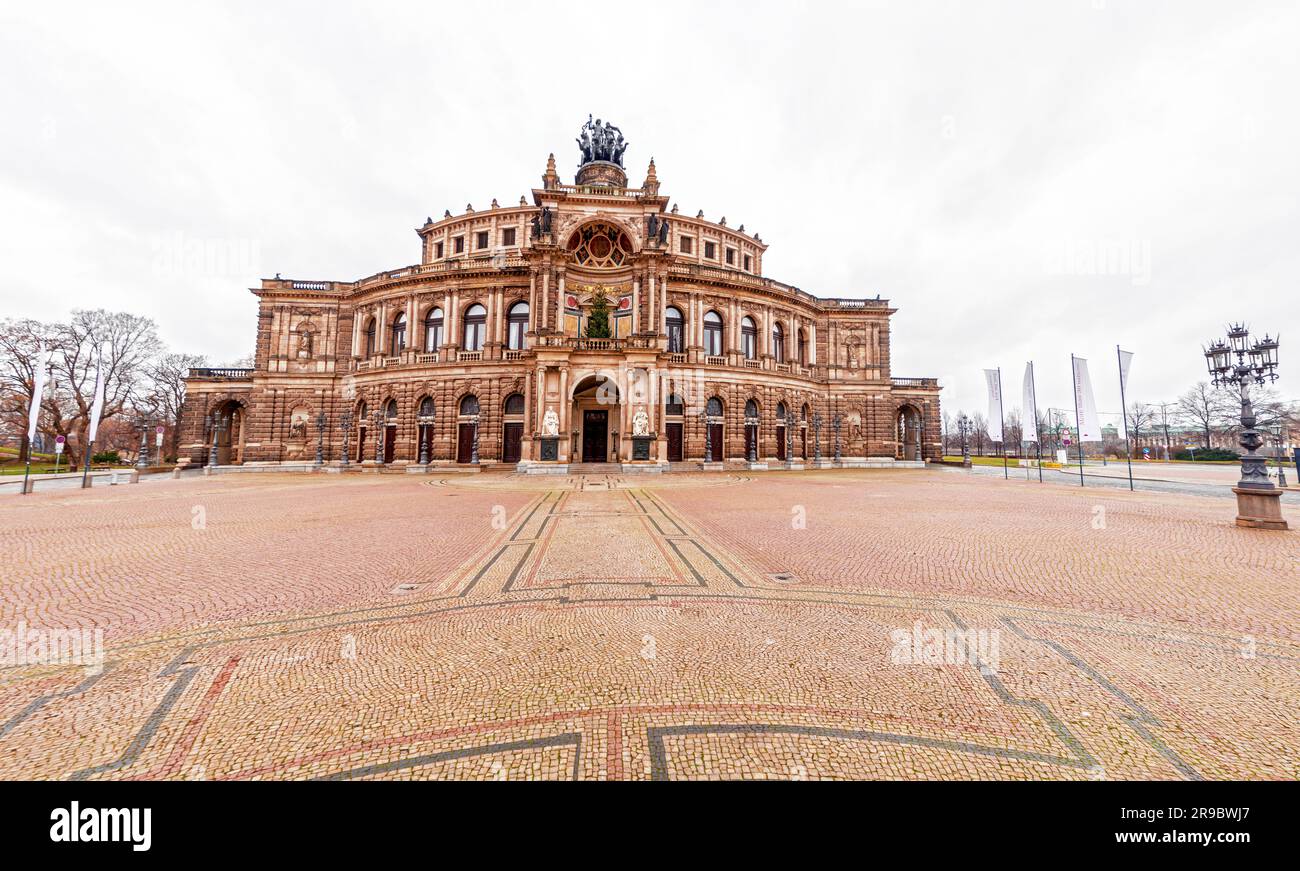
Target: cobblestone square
886	624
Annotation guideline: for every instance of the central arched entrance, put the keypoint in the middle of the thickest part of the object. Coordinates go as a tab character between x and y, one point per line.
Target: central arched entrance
228	420
596	419
909	426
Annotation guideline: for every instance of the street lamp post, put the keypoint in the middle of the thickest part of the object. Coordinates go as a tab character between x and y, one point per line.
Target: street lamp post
817	437
320	439
836	423
216	430
345	424
963	427
1258	500
142	459
473	451
708	443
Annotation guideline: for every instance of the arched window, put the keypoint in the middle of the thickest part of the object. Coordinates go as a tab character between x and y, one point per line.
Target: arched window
475	324
361	412
748	337
518	321
778	342
469	404
390	411
713	334
803	348
751	410
675	326
780	411
804	415
371	350
426	407
714	407
399	333
433	330
515	403
674	405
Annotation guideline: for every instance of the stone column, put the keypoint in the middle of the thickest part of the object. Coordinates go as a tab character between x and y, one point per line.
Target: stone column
559	303
564	415
636	306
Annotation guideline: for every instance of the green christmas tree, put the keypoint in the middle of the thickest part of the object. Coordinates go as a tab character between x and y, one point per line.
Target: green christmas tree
598	317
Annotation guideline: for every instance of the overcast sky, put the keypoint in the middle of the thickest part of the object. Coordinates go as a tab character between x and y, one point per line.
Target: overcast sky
1022	180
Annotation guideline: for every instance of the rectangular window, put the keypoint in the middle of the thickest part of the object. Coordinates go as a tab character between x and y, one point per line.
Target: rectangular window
747	262
481	240
710	251
731	256
508	237
458	245
437	250
685	245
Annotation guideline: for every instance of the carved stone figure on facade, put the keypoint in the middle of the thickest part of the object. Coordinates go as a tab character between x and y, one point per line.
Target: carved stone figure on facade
641	423
652	227
663	232
551	422
305	345
601	140
546	219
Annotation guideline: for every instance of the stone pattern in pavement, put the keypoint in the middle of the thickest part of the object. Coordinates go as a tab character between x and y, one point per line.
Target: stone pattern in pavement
690	626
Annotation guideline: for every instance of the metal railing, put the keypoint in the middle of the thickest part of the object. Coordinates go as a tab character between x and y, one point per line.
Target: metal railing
914	382
205	372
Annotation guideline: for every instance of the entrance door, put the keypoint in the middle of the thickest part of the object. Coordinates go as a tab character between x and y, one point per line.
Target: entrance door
390	443
803	436
465	443
751	440
780	443
715	439
595	436
361	444
513	441
675	453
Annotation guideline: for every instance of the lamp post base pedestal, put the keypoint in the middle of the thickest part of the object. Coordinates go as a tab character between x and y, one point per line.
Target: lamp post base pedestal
1259	509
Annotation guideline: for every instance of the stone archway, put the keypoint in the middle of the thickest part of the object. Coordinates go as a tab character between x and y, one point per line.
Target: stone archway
226	424
596	416
909	424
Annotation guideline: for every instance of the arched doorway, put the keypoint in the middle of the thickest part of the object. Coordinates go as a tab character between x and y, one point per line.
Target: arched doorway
714	410
467	430
362	428
390	432
781	414
910	424
512	428
228	420
595	413
674	413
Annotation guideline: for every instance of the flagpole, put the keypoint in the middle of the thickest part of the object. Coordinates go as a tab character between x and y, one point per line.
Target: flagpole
1074	382
1002	426
1123	410
1038	432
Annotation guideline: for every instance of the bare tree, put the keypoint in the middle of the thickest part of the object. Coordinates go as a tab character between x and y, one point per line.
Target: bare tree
1140	415
1203	407
167	390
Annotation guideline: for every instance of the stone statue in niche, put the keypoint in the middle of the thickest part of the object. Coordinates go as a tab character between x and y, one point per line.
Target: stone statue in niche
641	423
305	342
551	422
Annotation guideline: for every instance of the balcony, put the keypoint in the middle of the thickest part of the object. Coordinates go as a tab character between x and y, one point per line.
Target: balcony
915	383
221	374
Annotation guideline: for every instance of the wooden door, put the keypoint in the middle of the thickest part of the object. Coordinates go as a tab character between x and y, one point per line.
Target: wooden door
780	443
512	443
675	453
595	436
715	439
465	443
390	443
361	444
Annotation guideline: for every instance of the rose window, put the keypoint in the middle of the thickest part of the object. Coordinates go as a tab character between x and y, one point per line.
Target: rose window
600	246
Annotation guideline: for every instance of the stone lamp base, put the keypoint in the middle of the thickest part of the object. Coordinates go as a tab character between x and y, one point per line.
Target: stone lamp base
1259	508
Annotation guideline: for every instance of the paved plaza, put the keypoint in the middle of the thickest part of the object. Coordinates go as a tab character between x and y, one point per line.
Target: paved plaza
767	625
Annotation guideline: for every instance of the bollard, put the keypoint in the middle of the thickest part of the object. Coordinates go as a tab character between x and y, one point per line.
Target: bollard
134	477
29	486
176	472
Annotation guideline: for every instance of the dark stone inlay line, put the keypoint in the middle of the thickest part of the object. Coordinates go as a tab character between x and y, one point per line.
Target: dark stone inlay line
1144	716
40	701
569	738
659	754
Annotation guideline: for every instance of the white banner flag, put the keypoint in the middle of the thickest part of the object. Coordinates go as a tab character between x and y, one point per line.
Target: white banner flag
1084	403
38	389
97	404
994	379
1028	407
1125	363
